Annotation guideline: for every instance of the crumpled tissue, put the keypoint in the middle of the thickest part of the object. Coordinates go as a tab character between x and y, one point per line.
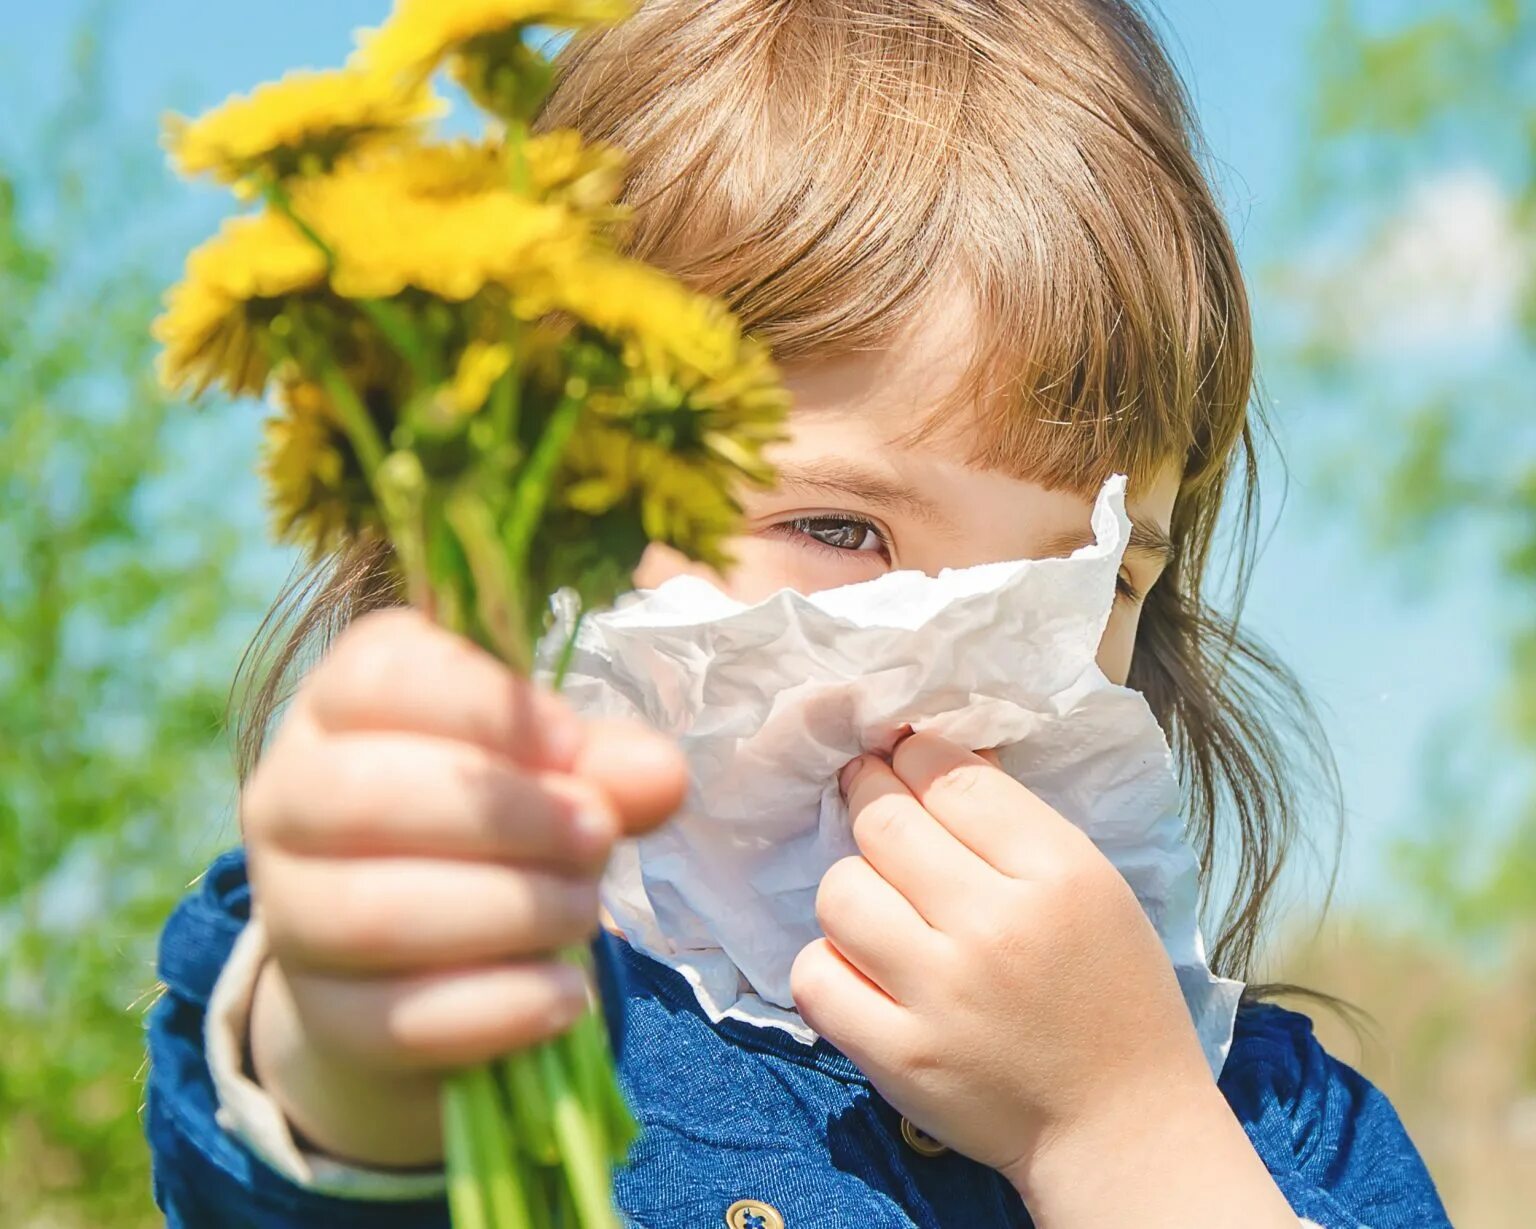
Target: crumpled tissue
769	701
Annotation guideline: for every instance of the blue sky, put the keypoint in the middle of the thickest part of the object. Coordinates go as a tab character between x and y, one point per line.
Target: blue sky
1353	628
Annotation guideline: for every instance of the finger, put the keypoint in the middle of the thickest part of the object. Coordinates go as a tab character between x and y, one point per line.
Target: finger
843	1005
910	848
439	1020
409	795
396	670
874	927
643	773
378	915
985	809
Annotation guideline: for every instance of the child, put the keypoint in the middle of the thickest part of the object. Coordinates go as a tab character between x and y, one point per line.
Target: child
977	237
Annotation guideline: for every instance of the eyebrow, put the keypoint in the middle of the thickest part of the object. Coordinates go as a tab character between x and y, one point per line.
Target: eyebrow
845	478
1147	538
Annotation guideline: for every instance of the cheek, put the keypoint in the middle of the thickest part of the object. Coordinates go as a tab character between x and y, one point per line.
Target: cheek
762	568
1119	642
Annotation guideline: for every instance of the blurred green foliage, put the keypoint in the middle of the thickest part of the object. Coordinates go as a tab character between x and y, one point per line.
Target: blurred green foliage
1419	182
1411	286
117	640
121	612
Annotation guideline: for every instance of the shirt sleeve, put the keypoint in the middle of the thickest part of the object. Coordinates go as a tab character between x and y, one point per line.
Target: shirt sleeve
1331	1140
235	1165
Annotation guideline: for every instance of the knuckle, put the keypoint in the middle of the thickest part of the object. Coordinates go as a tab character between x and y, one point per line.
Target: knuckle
562	910
913	1055
838	891
810	974
960	782
355	672
259	818
356	791
355	926
880	821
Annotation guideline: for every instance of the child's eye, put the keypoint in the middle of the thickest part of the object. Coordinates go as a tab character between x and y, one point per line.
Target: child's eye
1124	588
839	533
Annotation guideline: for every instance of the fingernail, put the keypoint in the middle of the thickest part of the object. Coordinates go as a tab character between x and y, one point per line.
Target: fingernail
595	829
574	996
846	777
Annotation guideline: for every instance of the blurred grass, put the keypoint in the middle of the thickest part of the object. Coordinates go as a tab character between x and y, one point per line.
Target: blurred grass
1452	1043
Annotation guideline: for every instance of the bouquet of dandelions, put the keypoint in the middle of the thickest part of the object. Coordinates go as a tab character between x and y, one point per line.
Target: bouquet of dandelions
461	362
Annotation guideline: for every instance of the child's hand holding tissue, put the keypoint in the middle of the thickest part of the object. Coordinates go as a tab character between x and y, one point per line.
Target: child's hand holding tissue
968	947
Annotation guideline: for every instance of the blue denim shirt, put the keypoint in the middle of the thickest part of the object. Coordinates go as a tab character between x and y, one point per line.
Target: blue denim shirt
731	1111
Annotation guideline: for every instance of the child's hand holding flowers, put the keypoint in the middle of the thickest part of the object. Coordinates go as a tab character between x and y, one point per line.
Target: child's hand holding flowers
425	833
997	980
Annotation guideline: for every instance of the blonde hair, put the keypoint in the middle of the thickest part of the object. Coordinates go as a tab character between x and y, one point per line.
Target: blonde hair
827	166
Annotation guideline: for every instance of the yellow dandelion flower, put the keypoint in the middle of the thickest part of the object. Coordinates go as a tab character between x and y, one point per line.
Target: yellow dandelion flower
673	498
687	417
315	489
420	34
480	366
214	326
387	231
692	383
555	167
442	168
300	124
389	236
564	168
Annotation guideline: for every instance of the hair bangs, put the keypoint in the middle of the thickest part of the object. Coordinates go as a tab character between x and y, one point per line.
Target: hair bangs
830	167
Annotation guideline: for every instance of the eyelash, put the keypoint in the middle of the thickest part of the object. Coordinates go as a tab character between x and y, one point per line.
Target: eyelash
799	528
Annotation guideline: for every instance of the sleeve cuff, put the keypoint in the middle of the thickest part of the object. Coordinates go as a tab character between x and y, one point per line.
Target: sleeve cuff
249	1113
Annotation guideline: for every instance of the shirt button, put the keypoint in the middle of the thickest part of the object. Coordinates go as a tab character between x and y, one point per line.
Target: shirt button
920	1141
753	1214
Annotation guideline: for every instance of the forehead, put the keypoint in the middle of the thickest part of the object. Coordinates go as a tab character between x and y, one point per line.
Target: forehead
936	390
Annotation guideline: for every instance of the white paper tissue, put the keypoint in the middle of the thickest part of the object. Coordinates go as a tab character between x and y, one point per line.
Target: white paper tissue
769	701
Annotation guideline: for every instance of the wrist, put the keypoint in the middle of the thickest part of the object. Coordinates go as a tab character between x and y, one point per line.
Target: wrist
357	1115
1169	1155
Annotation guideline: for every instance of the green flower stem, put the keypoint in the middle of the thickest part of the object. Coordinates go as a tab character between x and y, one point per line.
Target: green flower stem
386	317
517	155
531	495
355	418
402	487
498	596
393	321
585	1056
530	1112
501	1174
277	196
461	1154
568	649
506	394
587	1166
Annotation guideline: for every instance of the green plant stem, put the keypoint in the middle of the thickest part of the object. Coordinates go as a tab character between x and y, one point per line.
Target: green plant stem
502	1175
278	197
465	1201
359	425
530	1112
498	596
568	649
531	495
587	1167
386	316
